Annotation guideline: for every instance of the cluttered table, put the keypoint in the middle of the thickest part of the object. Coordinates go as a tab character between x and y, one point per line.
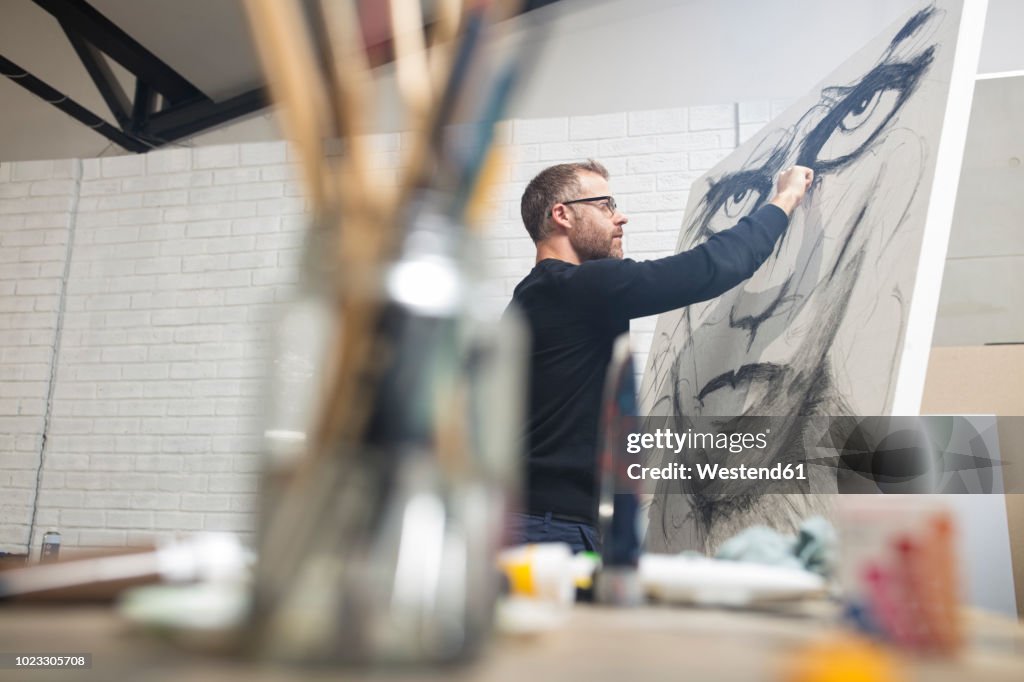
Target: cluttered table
594	643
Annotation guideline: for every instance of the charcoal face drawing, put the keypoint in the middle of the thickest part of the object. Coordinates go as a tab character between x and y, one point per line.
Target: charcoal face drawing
818	328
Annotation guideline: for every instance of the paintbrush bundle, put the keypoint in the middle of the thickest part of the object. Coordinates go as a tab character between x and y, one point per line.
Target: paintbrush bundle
381	522
899	571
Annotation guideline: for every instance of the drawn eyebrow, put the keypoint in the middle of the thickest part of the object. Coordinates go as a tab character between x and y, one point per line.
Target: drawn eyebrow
910	28
902	78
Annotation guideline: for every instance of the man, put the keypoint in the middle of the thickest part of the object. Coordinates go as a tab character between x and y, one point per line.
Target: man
578	299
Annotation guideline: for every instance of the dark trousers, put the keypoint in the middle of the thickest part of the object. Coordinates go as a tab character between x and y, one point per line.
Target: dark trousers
581	537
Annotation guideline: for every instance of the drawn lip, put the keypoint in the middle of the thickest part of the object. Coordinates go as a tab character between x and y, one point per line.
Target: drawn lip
744	376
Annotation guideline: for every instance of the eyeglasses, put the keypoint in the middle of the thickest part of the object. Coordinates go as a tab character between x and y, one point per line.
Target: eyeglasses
609	202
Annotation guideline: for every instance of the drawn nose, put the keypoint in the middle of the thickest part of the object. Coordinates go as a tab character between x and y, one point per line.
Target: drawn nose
750	310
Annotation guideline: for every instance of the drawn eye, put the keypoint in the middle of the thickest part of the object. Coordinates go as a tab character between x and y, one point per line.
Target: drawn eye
861	113
730	198
858	126
864	109
740	203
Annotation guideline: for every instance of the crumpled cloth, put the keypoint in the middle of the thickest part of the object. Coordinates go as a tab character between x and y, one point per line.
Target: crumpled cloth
814	548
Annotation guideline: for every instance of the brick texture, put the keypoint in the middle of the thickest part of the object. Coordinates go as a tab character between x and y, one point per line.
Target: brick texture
180	260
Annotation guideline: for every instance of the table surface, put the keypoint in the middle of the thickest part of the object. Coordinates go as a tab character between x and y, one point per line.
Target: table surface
595	644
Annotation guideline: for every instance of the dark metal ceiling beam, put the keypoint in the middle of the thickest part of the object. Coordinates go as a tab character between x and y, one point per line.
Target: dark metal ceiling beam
142	106
188	119
81	18
102	76
186	110
69	106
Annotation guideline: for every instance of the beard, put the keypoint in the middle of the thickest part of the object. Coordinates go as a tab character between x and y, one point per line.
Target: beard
592	243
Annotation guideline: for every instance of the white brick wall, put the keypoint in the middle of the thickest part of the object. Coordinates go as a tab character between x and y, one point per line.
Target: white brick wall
35	216
179	258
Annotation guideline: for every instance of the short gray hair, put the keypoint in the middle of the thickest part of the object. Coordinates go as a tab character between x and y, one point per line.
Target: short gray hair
552	186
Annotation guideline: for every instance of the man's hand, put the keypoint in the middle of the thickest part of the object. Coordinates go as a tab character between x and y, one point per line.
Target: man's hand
793	184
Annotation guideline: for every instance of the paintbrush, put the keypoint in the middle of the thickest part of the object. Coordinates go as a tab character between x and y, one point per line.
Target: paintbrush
289	63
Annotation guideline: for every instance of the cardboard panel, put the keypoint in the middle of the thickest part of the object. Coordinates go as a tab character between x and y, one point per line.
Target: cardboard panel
986	380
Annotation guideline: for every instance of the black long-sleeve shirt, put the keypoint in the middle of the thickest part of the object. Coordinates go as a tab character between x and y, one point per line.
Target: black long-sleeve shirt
575	313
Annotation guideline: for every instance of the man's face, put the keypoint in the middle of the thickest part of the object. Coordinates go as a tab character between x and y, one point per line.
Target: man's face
596	229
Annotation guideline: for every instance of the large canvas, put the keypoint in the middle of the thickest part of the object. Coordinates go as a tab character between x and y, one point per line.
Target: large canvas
823	326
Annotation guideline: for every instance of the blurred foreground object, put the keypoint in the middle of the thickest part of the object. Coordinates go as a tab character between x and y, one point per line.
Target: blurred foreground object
50	550
693	579
899	571
395	402
544	581
548	571
814	548
846	659
618	581
205	557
